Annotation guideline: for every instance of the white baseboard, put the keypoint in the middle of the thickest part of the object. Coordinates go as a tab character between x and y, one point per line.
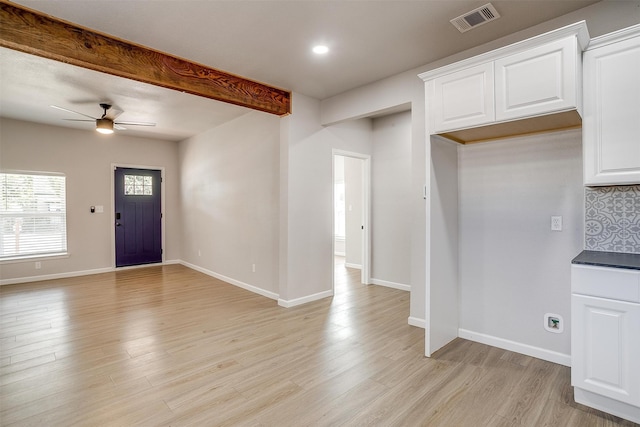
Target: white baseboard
55	276
304	300
529	350
414	321
231	281
607	404
260	291
68	274
352	265
388	284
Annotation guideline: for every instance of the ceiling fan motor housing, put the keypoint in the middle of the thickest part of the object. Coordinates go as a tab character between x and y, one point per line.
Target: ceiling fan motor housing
104	125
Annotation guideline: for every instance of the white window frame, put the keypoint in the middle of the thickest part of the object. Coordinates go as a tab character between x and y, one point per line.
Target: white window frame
41	209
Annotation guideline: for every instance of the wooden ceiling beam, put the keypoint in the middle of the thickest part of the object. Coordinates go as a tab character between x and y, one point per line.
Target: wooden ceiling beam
38	34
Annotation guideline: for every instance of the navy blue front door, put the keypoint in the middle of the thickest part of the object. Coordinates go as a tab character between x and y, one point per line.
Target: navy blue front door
138	216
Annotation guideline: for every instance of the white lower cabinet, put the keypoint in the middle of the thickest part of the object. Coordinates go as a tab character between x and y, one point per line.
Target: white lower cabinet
606	347
605	339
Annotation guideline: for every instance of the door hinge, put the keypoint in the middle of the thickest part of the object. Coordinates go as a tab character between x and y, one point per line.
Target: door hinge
161	251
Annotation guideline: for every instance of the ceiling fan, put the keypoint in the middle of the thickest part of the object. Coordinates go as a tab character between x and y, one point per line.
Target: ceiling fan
104	124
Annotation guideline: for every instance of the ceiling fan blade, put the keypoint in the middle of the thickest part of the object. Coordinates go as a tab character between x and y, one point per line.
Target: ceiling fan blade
134	123
116	127
70	111
79	120
114	112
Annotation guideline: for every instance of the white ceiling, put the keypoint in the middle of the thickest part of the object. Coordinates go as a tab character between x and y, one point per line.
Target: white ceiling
265	40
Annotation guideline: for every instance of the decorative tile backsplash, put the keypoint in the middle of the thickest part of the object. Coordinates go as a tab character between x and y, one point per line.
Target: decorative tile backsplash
612	219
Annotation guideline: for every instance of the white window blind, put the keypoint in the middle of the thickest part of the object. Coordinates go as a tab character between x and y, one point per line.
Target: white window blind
33	218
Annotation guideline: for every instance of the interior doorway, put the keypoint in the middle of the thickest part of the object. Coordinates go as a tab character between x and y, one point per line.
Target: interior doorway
351	236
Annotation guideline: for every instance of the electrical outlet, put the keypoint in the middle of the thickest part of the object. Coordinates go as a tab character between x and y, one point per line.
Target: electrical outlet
253	268
556	223
553	323
199	252
38	265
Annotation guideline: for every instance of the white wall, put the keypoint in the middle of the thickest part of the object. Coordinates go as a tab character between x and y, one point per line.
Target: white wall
85	157
513	268
306	187
229	197
391	200
406	88
353	174
303	199
401	92
442	295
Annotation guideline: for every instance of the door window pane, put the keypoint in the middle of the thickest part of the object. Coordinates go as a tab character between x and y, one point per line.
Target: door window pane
138	185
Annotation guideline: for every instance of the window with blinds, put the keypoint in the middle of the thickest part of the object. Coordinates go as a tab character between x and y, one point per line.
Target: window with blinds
33	218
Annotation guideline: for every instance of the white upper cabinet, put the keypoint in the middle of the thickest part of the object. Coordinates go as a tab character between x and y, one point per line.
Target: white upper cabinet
532	78
538	81
464	98
611	124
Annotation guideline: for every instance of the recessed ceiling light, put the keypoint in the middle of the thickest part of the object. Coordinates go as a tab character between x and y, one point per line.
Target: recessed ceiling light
320	49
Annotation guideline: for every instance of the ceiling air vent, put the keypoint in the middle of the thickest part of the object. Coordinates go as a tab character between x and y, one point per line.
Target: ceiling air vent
475	18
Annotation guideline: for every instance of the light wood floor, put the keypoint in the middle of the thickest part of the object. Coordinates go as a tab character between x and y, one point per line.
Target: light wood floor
170	346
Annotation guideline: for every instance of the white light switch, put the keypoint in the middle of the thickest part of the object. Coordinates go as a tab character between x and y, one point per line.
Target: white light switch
99	209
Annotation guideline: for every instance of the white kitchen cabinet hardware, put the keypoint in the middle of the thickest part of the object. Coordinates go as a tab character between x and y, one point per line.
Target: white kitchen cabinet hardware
611	125
499	93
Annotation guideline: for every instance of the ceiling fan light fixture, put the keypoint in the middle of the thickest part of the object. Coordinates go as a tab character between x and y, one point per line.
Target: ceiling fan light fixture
104	126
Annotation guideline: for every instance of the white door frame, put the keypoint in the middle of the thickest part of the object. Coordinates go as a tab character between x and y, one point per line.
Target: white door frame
112	209
365	276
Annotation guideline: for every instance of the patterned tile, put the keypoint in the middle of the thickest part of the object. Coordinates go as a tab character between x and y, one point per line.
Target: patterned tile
612	219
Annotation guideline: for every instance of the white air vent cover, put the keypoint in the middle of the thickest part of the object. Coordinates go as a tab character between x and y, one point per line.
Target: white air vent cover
476	17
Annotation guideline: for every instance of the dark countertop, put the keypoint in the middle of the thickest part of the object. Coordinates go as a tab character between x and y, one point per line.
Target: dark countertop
608	259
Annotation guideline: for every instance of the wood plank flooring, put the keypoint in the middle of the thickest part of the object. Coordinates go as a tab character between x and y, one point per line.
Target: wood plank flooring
161	346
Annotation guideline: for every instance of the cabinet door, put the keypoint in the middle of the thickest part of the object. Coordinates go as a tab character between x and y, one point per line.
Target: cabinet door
537	81
605	347
611	124
463	99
